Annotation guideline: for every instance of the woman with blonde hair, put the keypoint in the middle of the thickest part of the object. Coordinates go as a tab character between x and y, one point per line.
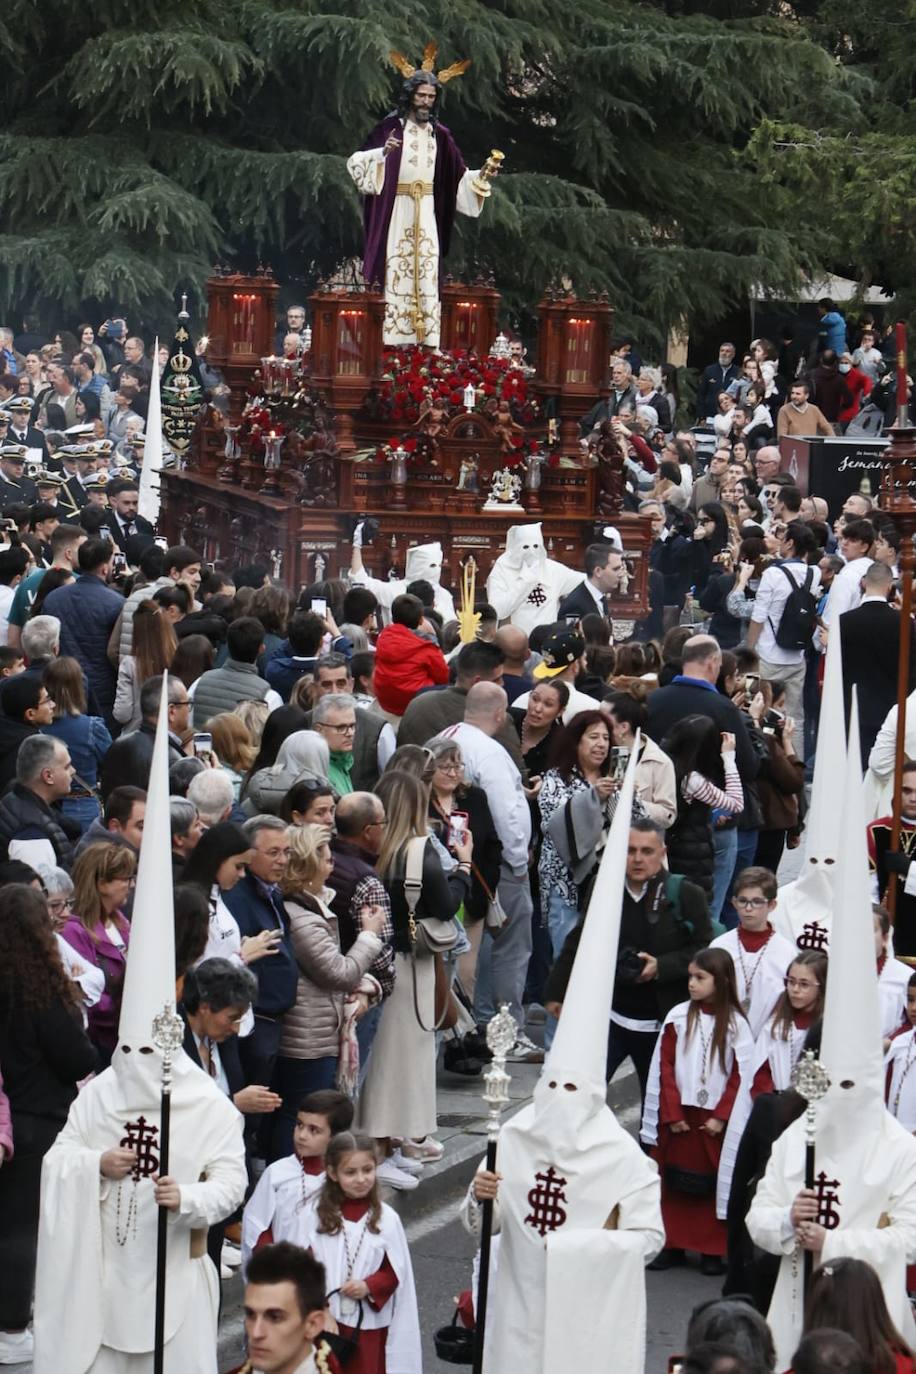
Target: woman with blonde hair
309	1040
232	746
153	648
253	715
86	737
399	1094
97	929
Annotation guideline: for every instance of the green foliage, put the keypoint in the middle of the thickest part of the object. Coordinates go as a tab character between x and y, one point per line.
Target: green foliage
673	152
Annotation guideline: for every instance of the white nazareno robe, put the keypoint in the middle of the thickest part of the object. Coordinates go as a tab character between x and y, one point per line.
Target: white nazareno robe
95	1280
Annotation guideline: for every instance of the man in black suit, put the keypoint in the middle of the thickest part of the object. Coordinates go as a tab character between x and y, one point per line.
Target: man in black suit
21	430
870	640
716	377
124	498
693	693
605	573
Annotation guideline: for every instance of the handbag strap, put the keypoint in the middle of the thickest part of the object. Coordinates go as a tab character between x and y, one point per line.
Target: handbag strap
413	882
483	882
437	1024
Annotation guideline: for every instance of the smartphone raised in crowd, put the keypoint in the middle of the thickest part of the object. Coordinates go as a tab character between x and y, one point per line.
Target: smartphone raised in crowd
457	828
319	605
203	743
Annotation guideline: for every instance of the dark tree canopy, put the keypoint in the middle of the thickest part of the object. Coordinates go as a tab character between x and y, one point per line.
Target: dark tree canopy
674	152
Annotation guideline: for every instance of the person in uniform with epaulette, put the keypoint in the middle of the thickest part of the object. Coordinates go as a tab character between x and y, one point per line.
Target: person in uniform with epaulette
15	488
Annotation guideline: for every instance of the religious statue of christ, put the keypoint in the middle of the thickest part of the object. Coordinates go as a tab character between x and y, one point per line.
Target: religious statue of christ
413	179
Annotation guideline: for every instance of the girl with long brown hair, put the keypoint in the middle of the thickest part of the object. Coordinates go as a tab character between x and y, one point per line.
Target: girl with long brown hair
782	1038
702	1062
153	648
361	1243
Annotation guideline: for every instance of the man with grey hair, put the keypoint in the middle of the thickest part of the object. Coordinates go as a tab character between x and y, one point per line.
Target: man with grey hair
211	792
373	741
257	905
622	395
186	831
41	639
30	830
334	716
127	762
488	766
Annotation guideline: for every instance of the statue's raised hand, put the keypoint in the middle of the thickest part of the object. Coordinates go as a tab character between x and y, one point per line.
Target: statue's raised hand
391	143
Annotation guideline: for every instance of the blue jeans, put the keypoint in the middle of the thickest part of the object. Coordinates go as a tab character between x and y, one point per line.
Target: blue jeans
366	1031
503	962
83	810
293	1078
747	852
562	917
725	844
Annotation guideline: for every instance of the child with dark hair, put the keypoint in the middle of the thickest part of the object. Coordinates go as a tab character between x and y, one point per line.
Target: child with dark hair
273	1212
700	1072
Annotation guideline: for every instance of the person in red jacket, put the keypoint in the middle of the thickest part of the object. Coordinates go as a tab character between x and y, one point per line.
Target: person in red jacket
858	383
405	660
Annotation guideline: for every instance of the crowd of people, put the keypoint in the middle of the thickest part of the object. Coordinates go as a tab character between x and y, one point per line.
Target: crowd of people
381	832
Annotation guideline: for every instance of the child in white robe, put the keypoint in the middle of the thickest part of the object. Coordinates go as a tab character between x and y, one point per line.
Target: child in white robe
900	1060
274	1210
893	975
361	1243
783	1037
759	952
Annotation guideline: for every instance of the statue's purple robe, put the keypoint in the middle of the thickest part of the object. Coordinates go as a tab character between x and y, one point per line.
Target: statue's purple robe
450	168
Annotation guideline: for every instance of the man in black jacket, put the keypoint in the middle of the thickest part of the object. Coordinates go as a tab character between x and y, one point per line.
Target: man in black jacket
605	574
716	377
664	923
693	693
127	762
870	639
257	905
30	829
25	705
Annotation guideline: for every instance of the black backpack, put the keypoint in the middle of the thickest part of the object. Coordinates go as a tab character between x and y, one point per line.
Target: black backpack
799	616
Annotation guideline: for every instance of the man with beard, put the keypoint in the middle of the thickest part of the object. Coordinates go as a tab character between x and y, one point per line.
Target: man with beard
413	179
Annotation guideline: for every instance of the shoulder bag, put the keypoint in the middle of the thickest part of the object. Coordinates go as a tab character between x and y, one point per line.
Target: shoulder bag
495	917
429	938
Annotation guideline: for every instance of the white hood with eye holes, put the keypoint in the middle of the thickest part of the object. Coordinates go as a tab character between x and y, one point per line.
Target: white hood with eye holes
579	1203
524	547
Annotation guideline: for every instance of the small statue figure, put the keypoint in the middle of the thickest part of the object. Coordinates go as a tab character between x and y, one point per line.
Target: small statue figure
432	422
505	487
506	428
610	458
467	474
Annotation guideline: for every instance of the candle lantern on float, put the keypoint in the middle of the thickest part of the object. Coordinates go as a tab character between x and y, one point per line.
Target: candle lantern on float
574	357
240	328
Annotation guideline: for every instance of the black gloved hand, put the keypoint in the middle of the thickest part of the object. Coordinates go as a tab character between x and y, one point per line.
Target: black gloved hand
898	863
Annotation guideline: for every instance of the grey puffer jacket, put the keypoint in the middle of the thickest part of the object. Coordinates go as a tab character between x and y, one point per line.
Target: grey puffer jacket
311	1027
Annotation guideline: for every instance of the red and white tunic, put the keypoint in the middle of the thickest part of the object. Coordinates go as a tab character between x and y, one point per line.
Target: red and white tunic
761	959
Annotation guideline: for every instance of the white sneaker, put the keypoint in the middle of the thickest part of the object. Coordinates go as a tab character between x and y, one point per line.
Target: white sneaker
388	1172
16	1347
425	1151
231	1255
409	1166
525	1051
225	1272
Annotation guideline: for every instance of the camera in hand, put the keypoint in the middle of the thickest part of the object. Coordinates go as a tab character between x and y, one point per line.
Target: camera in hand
629	965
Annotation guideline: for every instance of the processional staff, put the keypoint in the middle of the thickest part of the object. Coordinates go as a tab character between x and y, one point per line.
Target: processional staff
810	1081
501	1036
168	1036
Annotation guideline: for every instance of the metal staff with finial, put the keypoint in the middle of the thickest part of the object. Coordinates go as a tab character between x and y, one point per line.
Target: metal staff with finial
501	1036
810	1081
168	1036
